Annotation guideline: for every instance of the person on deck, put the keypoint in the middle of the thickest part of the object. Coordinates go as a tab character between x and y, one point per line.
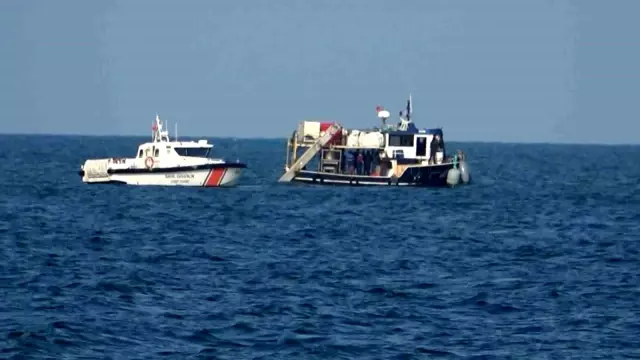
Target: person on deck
434	148
375	161
359	162
350	162
367	162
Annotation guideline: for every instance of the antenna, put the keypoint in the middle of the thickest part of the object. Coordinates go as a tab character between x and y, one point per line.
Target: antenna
154	127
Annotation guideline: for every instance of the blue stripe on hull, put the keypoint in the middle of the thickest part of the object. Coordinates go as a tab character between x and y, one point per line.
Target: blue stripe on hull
110	182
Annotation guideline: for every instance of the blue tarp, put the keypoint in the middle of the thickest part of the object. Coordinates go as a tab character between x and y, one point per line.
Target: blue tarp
434	131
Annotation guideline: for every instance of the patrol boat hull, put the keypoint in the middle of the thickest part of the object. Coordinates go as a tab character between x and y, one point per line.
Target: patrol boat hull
212	175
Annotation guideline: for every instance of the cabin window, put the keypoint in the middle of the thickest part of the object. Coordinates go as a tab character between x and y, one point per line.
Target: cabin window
421	146
400	140
196	152
140	153
156	153
146	152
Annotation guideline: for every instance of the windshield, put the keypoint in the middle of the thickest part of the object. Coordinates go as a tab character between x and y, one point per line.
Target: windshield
194	152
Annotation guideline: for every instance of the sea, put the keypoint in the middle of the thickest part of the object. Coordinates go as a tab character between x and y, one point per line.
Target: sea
537	258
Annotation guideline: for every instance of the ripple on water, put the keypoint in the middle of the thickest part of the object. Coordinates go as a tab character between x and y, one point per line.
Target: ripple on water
530	261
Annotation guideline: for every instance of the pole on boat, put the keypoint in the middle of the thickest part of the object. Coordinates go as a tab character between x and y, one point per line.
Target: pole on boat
154	127
286	162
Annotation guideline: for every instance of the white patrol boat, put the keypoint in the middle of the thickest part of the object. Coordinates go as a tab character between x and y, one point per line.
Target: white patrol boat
164	162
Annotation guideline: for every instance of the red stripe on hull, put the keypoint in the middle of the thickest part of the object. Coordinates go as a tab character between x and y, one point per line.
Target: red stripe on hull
215	177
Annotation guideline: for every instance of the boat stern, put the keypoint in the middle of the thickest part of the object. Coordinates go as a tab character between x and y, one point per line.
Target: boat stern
95	171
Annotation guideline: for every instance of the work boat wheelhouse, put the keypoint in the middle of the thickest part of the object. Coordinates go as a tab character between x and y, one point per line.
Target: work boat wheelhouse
402	155
165	162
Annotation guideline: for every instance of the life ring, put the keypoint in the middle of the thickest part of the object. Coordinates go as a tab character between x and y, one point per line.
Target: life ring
148	162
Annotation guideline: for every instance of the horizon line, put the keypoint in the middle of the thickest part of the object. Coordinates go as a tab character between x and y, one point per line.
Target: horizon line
505	142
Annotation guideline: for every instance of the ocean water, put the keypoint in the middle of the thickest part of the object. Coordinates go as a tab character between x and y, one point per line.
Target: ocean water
538	259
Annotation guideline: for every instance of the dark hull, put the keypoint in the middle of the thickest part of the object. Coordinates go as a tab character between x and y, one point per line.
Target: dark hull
423	176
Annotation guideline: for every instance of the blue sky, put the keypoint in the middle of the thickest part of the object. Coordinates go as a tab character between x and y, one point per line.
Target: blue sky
491	70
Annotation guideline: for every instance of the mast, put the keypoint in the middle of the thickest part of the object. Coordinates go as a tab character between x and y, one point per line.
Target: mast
406	119
159	134
155	128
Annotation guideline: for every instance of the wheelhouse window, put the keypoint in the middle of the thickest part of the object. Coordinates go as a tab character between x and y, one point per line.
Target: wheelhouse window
195	152
400	140
140	153
421	146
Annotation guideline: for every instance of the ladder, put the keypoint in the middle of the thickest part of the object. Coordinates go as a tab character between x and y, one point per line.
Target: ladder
310	153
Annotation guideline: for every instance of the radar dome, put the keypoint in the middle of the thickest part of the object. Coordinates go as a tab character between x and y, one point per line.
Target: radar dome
383	114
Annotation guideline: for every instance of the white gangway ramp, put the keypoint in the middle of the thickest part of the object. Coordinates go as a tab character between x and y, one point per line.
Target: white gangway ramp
310	153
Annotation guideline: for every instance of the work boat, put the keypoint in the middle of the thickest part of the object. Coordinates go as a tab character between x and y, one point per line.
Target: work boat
165	162
392	155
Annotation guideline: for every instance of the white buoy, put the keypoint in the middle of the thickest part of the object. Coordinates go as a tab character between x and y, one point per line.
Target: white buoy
465	174
453	177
